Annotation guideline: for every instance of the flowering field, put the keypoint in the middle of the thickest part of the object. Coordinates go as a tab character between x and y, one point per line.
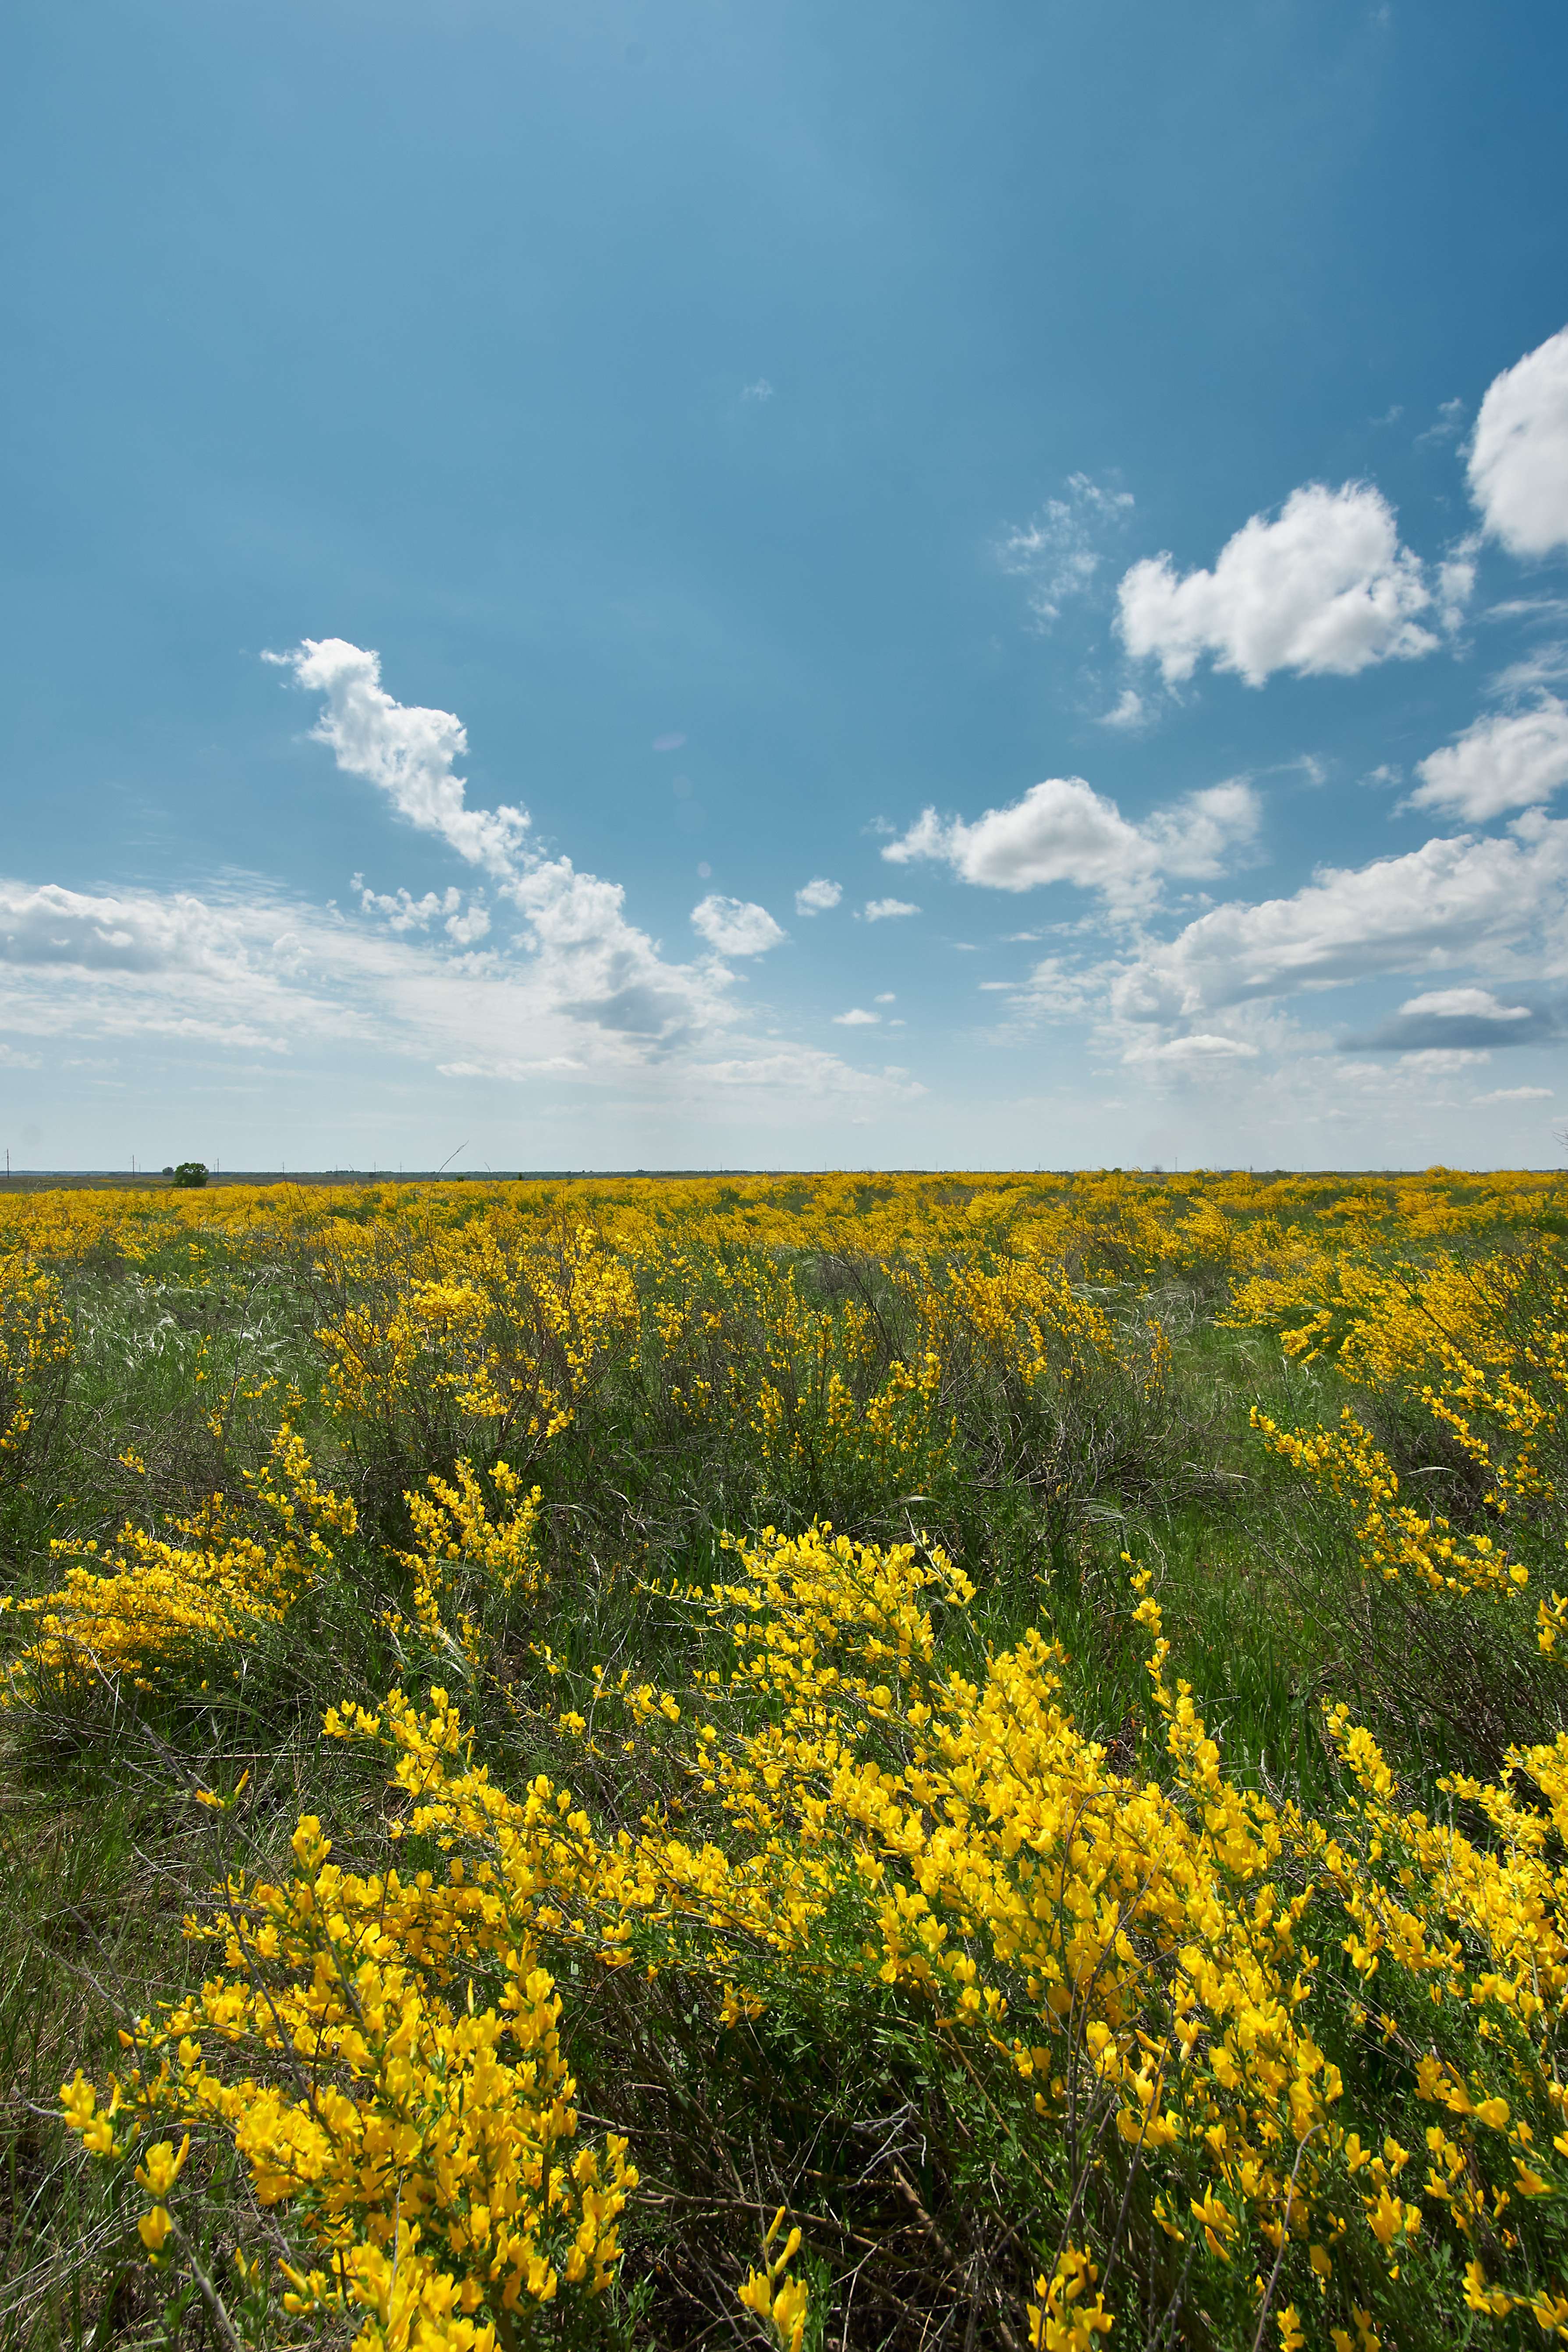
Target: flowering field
929	1761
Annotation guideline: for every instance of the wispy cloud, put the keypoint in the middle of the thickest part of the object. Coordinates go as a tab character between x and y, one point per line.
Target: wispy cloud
1130	712
1059	550
1449	424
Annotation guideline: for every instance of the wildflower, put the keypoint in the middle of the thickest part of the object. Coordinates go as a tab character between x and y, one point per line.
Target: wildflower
153	2229
1064	2320
160	2166
773	2295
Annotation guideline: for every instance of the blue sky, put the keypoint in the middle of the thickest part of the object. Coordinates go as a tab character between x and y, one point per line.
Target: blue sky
1094	477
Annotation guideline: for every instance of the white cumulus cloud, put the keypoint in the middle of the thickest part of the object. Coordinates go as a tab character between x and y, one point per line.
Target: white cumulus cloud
888	911
1064	830
589	965
1323	589
817	898
573	994
735	926
1501	763
1443	904
467	930
1519	457
856	1018
406	751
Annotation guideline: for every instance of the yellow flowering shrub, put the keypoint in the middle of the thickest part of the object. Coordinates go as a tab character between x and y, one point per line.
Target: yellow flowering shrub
1473	1352
1460	1952
440	1340
1393	1538
35	1351
1143	1950
469	1553
148	1603
419	2146
867	1870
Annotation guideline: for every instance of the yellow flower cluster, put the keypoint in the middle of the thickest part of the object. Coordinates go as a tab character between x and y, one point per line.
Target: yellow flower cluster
1064	2320
1480	1344
1393	1538
420	2148
456	1333
35	1351
467	1555
1482	1933
1132	1944
149	1603
777	2297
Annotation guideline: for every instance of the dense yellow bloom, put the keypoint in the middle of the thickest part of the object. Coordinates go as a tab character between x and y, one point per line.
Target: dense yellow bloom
463	1332
149	1603
422	2147
1148	1940
1002	1873
1311	2058
1064	2320
469	1553
1393	1539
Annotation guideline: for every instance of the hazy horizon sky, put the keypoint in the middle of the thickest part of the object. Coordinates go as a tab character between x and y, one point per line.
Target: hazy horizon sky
773	586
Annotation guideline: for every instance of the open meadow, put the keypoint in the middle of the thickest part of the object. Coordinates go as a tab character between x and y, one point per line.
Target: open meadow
806	1761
